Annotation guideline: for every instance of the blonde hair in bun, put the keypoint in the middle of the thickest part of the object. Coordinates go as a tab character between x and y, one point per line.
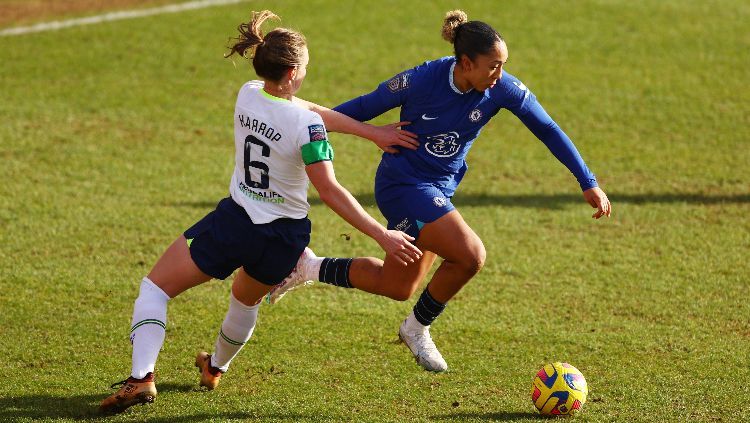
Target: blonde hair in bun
452	20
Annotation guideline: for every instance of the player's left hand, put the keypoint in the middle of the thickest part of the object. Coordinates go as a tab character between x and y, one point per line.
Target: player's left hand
386	137
399	245
598	200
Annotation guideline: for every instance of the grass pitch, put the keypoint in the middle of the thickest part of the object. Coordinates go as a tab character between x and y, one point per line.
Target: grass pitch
117	137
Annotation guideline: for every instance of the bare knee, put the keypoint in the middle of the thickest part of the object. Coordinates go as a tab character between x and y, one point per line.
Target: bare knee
474	260
480	258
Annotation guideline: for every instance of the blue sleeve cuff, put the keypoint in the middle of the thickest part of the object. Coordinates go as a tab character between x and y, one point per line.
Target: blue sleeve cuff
588	184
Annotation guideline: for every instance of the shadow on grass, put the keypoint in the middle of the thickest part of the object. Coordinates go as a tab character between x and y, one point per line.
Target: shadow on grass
542	201
77	407
499	416
86	407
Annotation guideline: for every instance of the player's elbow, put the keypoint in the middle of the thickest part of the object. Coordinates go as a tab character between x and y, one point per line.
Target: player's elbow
329	192
326	196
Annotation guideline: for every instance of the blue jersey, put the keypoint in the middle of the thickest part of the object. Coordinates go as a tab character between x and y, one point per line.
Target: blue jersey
448	121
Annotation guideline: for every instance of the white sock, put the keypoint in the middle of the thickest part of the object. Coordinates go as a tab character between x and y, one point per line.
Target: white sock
148	326
235	332
313	269
412	325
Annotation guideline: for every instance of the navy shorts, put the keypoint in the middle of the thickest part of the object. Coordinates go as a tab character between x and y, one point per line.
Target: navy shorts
407	207
226	239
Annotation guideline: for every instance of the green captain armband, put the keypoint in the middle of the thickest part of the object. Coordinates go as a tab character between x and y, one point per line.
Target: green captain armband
317	151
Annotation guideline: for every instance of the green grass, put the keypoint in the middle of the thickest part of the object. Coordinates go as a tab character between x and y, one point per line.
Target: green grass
117	137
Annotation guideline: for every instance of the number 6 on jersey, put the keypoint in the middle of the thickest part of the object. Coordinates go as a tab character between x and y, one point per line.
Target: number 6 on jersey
265	151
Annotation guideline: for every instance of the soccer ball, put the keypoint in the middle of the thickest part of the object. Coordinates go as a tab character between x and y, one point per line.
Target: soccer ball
559	389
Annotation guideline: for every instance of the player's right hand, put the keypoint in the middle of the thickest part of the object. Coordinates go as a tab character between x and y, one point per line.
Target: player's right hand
598	200
399	245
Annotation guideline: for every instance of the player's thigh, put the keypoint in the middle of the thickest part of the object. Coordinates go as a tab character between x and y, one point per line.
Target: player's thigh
273	250
451	238
175	271
248	290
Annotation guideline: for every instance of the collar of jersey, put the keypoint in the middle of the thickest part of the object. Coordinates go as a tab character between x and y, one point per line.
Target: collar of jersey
450	80
271	96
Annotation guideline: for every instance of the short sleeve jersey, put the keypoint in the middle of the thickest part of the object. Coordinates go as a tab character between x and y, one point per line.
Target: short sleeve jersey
274	140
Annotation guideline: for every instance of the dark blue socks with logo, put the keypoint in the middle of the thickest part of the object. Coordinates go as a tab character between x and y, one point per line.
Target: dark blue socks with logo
335	271
427	309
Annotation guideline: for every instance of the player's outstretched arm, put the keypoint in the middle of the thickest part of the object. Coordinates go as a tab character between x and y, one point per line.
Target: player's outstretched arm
395	243
386	137
560	145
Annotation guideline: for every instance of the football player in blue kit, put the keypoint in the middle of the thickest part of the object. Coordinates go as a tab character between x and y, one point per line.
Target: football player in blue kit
447	102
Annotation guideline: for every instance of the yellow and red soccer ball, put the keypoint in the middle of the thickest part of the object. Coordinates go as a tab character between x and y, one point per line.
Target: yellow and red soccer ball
559	389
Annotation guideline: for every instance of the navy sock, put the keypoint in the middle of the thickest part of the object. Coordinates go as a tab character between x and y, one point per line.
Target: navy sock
427	309
335	271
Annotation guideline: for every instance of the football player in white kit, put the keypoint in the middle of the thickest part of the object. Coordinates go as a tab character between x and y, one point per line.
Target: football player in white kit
261	229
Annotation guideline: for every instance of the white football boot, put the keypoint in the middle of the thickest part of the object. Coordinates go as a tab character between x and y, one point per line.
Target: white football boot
423	348
298	277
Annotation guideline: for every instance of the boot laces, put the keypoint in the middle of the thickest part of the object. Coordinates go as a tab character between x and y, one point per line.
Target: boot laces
118	385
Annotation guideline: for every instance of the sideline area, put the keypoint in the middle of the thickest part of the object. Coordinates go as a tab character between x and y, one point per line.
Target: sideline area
114	16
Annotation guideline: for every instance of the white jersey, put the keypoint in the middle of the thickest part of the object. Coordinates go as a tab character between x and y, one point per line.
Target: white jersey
269	179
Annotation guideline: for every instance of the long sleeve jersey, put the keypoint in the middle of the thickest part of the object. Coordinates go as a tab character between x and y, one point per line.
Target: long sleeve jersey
448	121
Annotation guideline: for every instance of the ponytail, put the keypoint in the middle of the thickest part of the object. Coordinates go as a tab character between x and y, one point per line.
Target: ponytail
273	53
251	35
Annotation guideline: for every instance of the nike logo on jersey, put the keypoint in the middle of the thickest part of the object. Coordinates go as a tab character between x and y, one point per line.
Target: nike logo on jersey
425	117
